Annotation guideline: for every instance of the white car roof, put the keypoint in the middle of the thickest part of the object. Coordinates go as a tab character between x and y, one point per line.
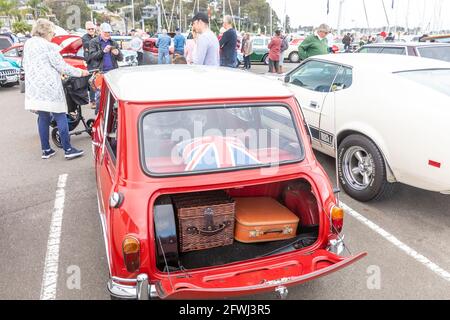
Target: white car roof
183	82
384	62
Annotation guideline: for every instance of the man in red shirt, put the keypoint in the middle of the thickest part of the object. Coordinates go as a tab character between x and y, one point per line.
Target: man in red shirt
274	52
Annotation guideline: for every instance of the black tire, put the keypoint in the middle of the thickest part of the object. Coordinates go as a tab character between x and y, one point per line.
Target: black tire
362	180
266	59
294	57
10	85
90	124
56	138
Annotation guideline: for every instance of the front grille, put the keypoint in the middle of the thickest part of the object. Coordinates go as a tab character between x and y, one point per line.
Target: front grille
8	72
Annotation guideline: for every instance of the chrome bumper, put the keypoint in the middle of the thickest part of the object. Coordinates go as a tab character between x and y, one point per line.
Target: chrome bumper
137	289
337	246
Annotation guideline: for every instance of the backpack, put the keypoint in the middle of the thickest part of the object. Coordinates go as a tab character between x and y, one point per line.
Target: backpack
284	44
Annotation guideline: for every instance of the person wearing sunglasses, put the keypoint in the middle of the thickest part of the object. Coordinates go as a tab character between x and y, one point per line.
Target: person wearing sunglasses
90	34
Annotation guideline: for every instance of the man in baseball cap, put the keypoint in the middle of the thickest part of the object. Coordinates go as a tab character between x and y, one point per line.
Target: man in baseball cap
207	46
104	53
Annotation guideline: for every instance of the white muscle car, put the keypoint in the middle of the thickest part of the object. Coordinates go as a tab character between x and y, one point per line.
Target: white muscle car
389	113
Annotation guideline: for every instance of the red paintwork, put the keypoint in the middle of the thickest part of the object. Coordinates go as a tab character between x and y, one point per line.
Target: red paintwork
140	191
14	46
150	46
69	51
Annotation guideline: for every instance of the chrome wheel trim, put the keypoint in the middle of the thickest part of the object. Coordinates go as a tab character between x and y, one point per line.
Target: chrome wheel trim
358	168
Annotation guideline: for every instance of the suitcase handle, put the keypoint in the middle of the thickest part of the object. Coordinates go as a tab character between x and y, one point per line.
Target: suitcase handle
260	233
206	232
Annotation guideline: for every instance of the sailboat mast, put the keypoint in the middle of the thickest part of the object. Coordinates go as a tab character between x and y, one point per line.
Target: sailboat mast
341	2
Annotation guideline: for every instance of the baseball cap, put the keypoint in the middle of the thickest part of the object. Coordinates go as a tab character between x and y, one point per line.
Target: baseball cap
201	16
105	27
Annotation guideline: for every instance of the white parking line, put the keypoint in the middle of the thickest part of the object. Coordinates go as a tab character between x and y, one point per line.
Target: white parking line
50	277
396	242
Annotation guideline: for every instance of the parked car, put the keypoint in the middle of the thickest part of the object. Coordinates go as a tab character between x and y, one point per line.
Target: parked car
142	143
439	51
387	114
151	51
5	42
9	72
442	38
14	52
261	51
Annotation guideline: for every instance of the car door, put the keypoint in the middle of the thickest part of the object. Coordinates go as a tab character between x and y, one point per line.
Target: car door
338	99
105	149
311	82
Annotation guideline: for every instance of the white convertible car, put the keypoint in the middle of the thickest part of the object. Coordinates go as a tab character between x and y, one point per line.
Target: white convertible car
389	113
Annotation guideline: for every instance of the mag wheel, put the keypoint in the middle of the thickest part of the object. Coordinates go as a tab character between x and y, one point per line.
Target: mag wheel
362	170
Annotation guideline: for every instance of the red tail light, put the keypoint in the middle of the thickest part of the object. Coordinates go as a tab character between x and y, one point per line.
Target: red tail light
131	254
337	219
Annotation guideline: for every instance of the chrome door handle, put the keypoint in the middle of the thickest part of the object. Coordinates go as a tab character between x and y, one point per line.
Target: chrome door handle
313	104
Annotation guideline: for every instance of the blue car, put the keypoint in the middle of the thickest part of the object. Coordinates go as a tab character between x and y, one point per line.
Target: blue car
9	72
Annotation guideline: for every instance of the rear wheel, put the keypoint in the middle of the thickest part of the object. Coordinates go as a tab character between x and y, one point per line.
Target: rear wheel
56	138
294	57
362	170
90	124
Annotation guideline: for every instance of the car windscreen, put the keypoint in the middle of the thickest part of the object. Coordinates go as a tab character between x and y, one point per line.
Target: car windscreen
439	53
4	43
437	79
189	141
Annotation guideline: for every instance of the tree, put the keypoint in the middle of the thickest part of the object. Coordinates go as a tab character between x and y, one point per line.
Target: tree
38	8
70	14
21	27
9	9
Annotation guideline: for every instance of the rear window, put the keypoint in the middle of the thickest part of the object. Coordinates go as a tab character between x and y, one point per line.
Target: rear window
370	50
399	51
187	141
439	53
437	79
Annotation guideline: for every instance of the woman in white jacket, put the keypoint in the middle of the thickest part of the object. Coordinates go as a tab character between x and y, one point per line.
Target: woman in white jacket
44	65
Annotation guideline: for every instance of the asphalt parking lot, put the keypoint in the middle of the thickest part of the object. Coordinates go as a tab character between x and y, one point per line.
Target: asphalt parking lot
406	237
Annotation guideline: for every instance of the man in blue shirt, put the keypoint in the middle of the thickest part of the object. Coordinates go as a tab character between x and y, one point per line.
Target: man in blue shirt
179	42
163	44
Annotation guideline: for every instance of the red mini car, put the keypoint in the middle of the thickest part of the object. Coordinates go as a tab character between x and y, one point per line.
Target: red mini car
221	134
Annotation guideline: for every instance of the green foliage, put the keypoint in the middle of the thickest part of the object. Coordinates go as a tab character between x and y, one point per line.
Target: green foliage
21	27
38	8
70	14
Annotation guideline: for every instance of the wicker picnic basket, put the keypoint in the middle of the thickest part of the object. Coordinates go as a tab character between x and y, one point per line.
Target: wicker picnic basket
205	220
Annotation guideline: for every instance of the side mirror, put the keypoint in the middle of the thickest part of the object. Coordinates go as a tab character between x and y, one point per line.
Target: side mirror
287	79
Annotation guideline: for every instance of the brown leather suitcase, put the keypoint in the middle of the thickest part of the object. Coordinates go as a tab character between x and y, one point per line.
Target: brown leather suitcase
263	219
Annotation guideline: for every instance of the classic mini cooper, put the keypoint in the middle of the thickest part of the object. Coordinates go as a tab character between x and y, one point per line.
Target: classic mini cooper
210	190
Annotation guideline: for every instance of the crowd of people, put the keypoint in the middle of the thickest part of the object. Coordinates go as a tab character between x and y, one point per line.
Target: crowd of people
44	65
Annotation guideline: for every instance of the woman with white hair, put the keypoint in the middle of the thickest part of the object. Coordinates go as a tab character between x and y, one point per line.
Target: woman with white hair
44	65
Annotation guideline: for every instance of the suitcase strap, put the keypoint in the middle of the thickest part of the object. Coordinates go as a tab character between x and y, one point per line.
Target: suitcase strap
259	233
210	229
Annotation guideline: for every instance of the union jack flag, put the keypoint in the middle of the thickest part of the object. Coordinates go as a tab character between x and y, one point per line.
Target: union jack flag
215	152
